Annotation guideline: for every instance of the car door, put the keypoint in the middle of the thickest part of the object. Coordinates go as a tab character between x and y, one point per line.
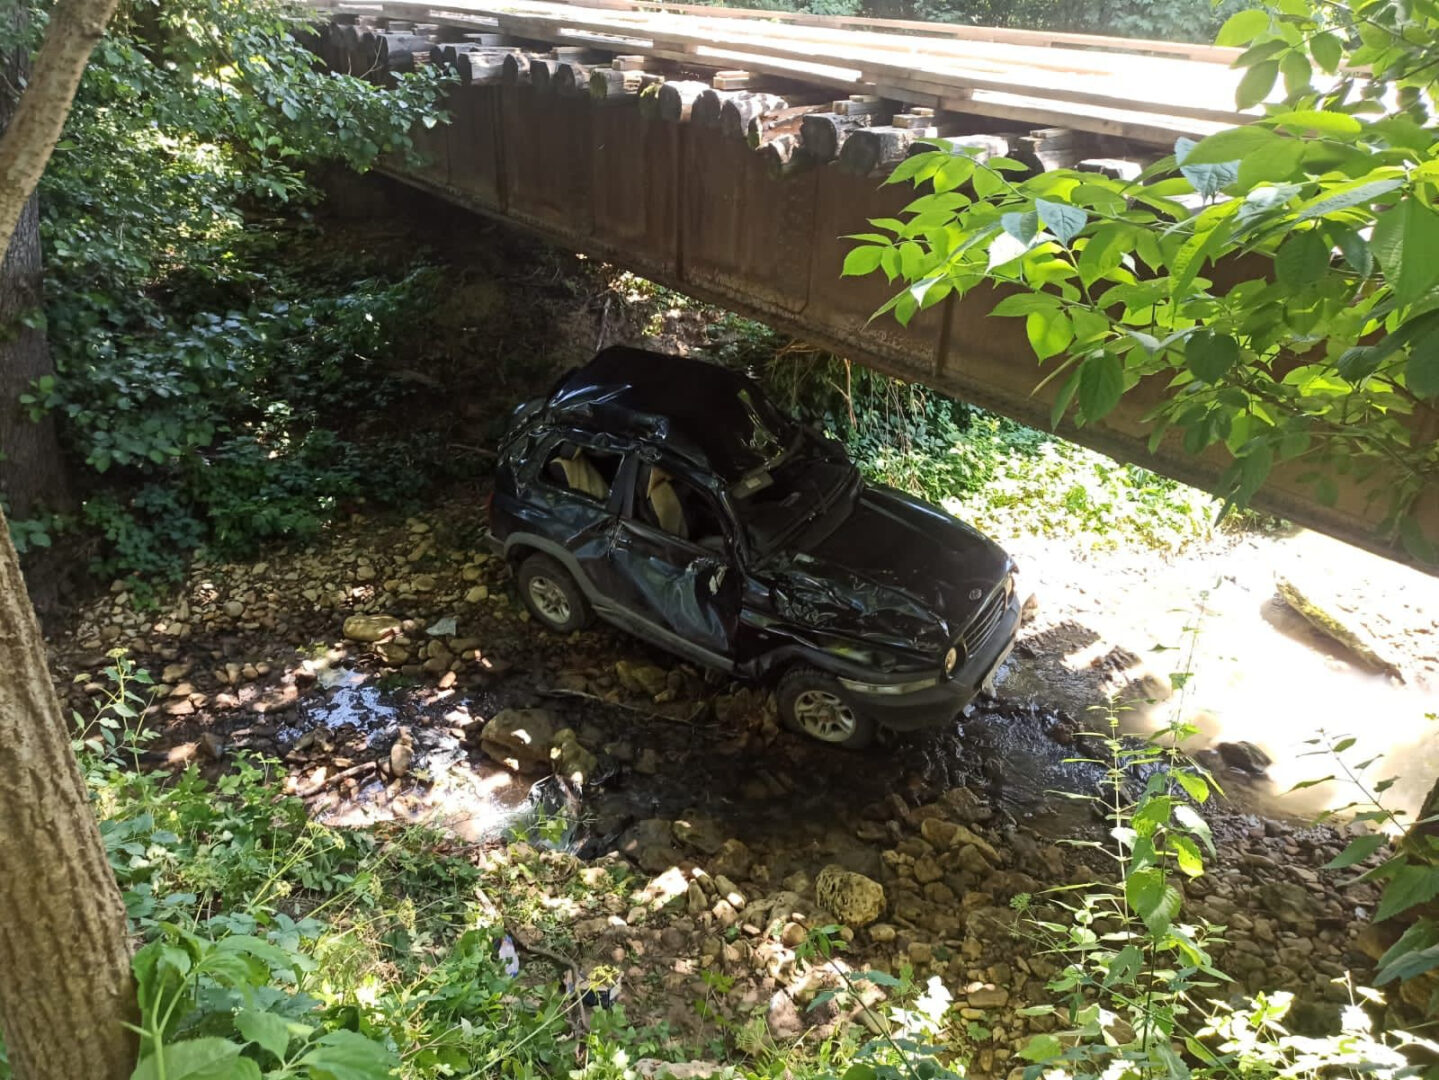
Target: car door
575	510
681	587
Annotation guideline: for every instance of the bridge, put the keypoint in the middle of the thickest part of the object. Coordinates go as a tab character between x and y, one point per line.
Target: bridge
726	153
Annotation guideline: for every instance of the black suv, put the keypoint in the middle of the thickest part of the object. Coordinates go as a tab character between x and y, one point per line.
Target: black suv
669	497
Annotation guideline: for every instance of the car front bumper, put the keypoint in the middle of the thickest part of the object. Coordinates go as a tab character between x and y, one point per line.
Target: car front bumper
931	704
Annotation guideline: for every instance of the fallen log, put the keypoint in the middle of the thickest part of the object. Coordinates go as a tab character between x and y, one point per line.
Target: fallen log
779	122
542	73
1331	626
706	110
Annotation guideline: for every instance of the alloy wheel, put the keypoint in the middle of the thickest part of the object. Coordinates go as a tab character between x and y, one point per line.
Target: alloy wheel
550	600
822	715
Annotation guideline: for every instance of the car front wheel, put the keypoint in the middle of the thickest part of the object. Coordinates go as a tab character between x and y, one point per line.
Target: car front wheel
552	595
814	704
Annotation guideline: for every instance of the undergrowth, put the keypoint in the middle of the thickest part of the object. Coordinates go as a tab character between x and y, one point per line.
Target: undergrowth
1008	479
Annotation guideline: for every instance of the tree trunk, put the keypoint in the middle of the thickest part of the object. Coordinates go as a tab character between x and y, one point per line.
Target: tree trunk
66	990
32	471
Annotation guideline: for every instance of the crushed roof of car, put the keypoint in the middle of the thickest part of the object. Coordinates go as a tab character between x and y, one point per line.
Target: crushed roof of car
703	411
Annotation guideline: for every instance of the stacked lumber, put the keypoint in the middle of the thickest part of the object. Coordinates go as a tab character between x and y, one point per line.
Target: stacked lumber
790	124
1149	92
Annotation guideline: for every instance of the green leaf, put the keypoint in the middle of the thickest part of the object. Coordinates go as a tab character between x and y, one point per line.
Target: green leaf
1296	69
1234	144
266	1029
1421	372
1125	965
862	260
1359	849
1186	854
1302	259
1322	123
1049	333
859	1071
1024	303
1404	241
1343	198
1414	884
1273	164
1022	226
347	1055
1194	786
1424	934
1258	81
1152	898
1189	818
197	1059
1101	384
1152	813
1065	221
1410	964
1242	27
1210	356
1039	1049
1327	50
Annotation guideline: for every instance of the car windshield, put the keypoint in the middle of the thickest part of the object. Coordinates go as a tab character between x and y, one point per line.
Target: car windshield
800	488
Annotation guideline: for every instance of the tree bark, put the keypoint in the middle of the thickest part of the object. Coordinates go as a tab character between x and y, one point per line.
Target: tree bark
74	29
67	989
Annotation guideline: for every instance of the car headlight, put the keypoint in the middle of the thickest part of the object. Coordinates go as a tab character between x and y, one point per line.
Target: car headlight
951	661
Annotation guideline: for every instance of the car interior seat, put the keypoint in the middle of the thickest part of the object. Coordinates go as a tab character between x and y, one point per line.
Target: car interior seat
579	474
665	504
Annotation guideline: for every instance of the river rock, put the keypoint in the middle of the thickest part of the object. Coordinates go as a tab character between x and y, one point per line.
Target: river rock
520	739
701	833
1245	756
570	759
642	678
649	844
368	628
853	898
733	860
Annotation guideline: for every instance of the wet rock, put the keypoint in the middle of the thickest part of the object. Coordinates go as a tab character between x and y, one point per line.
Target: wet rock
520	739
640	678
1245	756
881	933
701	833
477	593
649	845
570	759
649	762
402	754
370	628
733	860
853	898
211	746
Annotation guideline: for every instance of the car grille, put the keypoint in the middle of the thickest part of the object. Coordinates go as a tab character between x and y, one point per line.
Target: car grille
988	617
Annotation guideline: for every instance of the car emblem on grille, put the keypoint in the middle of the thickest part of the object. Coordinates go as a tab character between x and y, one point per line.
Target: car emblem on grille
975	594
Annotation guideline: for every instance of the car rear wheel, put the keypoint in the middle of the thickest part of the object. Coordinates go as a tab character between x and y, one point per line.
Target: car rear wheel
552	596
814	704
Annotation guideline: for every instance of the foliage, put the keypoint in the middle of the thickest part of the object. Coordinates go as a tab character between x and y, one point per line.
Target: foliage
208	370
1269	276
1142	995
1008	479
1409	866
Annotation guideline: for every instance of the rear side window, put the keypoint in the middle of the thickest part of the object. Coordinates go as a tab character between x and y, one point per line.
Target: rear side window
586	472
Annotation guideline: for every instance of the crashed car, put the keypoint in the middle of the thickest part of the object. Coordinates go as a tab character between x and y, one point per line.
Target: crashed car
669	497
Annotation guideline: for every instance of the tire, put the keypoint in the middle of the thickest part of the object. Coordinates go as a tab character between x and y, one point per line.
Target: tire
551	595
814	704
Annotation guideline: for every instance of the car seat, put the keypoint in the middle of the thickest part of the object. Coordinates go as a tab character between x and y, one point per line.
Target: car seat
668	512
580	475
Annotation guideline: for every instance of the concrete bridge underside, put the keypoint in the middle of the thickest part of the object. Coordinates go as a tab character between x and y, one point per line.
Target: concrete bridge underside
699	212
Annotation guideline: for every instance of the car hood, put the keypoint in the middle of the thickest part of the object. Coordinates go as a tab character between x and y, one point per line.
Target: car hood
895	569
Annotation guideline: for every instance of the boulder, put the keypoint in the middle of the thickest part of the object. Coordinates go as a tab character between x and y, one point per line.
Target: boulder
520	739
649	845
701	833
369	628
1244	756
853	898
